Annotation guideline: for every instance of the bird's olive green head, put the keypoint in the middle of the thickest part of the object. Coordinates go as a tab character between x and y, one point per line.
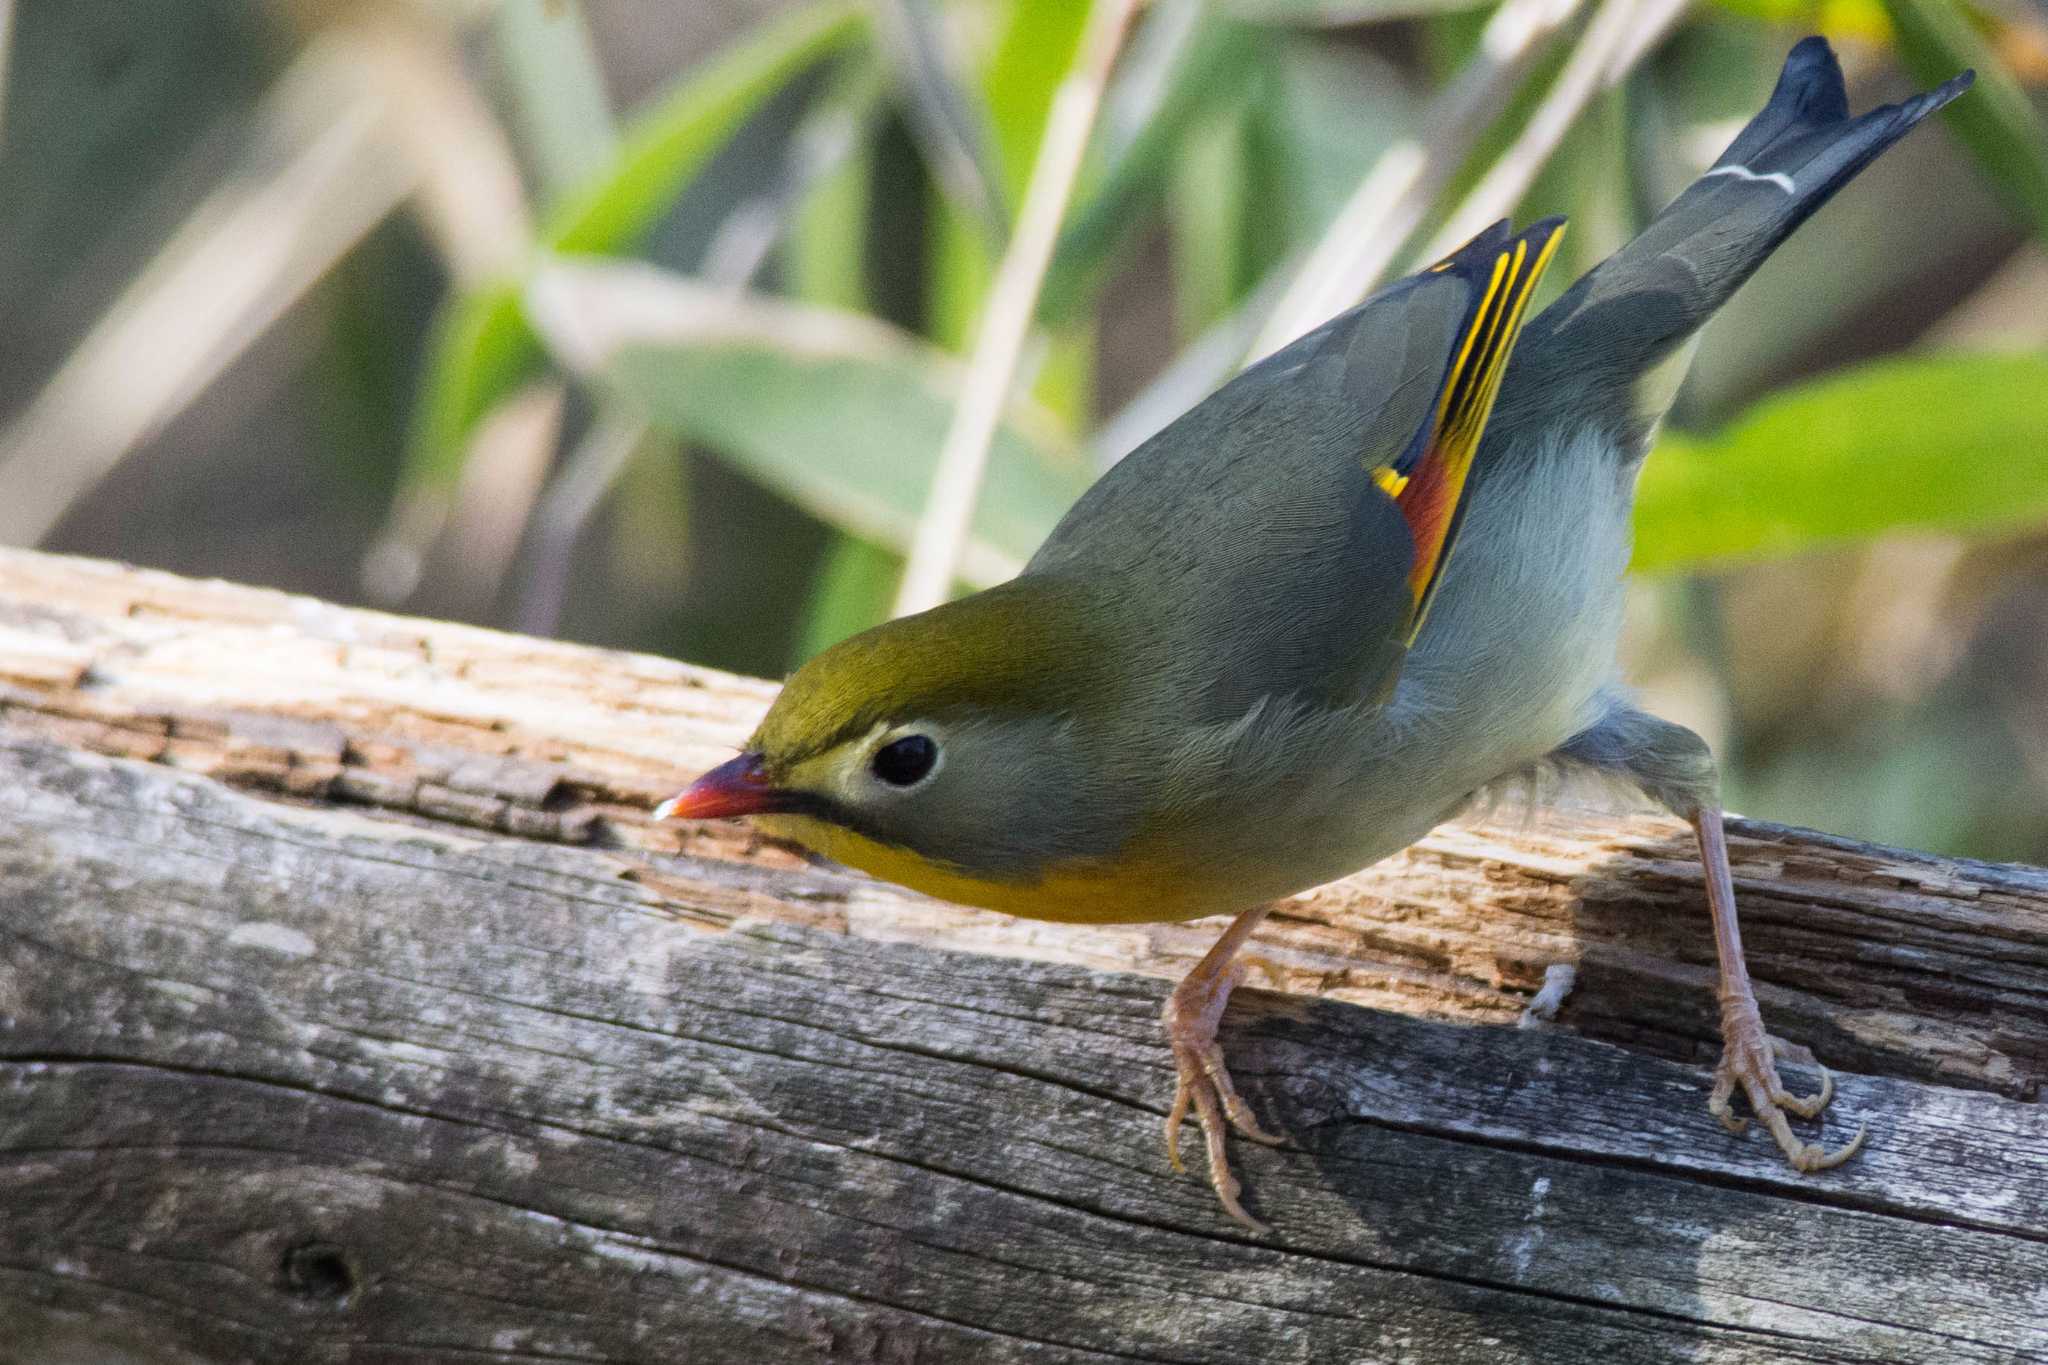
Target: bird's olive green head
963	735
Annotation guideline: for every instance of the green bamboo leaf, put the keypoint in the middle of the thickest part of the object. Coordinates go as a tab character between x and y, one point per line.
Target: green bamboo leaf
950	132
853	439
855	584
825	264
664	148
1327	116
1214	200
841	414
1210	72
1338	13
1942	442
1030	60
824	255
484	348
555	91
1995	120
480	350
1039	42
1862	19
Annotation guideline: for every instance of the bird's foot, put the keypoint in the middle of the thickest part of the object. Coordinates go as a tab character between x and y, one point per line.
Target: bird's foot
1192	1013
1749	1059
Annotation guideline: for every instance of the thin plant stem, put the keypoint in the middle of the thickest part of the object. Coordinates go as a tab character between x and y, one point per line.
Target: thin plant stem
737	255
1390	202
1006	321
954	144
559	105
6	53
571	499
1620	35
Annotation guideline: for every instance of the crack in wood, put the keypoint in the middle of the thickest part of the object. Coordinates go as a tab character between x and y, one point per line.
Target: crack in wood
384	996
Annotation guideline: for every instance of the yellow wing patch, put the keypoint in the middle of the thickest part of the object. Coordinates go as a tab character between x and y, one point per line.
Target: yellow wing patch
1428	482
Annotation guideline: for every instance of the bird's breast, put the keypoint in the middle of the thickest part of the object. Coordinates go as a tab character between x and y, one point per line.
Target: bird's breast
1151	880
1516	648
1522	638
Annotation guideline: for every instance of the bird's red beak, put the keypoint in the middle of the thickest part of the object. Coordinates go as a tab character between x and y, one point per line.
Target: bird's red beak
739	787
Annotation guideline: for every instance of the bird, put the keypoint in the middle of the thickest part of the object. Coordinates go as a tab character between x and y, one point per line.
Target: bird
1375	575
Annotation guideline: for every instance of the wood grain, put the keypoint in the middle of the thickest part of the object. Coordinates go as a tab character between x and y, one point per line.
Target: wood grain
350	1010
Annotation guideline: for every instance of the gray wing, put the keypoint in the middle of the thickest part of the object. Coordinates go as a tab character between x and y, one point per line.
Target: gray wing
1247	550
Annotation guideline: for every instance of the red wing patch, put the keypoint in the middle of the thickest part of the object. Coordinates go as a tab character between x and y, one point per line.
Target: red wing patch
1428	482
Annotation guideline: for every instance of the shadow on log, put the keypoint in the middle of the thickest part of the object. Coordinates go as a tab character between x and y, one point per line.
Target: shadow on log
350	1010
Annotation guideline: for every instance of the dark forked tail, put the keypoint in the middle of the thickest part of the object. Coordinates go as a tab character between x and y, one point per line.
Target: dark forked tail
1588	352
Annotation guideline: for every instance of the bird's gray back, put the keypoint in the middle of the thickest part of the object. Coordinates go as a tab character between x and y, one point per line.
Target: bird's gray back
1257	515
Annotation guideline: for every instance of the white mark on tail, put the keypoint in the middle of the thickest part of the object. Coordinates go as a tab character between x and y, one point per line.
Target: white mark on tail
1778	178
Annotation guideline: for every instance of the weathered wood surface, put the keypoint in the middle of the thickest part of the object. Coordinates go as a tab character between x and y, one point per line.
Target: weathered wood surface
350	1010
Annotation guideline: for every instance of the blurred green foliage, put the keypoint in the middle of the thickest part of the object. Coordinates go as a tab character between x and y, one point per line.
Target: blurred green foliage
1943	442
484	348
1998	121
848	430
759	463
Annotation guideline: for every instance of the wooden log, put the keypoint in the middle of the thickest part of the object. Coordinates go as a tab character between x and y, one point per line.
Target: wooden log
350	1009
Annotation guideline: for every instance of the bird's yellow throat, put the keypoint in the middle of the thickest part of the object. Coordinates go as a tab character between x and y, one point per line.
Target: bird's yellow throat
1142	884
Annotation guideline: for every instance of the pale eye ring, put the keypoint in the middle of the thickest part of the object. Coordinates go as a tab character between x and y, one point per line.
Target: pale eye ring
906	761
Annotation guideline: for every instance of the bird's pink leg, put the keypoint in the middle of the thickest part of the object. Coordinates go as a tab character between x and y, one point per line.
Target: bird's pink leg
1192	1013
1749	1055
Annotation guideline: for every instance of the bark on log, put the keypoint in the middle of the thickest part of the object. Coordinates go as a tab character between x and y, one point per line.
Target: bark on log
351	1010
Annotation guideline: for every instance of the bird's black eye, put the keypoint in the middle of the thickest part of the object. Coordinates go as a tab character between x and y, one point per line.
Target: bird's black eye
905	762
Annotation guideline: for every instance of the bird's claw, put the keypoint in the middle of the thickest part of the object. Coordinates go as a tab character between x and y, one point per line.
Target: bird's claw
1192	1013
1749	1059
